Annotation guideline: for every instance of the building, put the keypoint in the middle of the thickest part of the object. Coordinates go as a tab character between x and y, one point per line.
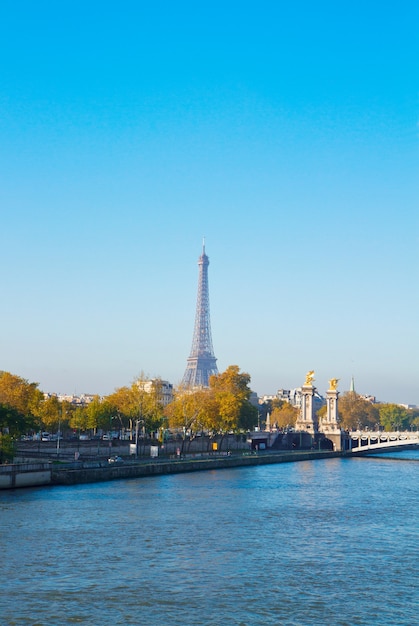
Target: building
162	388
294	396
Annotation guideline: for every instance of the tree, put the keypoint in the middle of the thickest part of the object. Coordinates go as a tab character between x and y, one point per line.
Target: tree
20	394
78	418
222	407
152	403
393	417
123	403
248	417
50	413
141	402
322	412
228	405
357	413
187	410
99	413
13	422
7	447
284	416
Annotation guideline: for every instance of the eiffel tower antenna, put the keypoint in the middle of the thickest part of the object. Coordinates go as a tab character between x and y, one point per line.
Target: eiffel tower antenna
201	363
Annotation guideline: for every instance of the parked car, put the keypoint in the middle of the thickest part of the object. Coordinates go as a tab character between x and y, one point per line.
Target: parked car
115	459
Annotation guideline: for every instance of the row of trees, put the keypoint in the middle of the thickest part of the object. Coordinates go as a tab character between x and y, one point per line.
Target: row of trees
357	413
24	408
354	413
221	408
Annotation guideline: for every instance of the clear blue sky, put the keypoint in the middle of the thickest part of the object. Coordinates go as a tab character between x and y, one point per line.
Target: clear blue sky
286	133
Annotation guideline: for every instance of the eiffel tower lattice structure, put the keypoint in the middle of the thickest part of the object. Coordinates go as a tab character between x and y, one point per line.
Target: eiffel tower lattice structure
201	362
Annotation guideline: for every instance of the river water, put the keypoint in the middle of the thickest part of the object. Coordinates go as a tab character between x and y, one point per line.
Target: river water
328	542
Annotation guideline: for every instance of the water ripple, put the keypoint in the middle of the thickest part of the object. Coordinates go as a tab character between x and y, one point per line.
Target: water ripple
311	543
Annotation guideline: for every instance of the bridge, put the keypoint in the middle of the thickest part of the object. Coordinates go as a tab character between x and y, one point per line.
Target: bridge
360	441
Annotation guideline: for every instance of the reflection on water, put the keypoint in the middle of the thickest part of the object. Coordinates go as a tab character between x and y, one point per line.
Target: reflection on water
320	542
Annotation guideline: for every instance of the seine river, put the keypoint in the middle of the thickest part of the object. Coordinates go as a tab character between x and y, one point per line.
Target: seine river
328	542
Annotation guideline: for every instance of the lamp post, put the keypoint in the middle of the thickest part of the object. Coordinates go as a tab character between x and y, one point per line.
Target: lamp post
137	422
58	437
137	428
110	435
61	415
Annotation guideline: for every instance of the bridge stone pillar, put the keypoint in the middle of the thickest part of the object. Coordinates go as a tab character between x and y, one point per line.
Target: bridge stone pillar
307	420
332	407
329	426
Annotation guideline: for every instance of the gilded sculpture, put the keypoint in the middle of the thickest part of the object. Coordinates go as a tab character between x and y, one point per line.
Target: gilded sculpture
333	382
309	377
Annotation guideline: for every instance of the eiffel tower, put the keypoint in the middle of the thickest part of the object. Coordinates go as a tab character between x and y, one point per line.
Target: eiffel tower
201	362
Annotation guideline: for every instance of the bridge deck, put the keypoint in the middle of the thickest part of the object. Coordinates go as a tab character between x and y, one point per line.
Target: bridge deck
366	440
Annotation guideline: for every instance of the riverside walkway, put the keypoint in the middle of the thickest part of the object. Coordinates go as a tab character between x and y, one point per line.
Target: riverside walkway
94	471
79	472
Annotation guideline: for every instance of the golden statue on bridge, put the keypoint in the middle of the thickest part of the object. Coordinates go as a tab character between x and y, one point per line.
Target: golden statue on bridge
309	378
333	382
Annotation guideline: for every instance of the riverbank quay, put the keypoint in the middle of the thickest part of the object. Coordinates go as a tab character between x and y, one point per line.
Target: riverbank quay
87	473
16	475
81	472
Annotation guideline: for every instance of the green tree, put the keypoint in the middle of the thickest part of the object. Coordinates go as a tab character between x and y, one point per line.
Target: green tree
99	413
78	418
50	412
13	422
248	417
393	417
7	447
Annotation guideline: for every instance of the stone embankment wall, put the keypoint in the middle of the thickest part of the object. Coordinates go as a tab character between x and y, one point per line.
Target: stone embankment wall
28	472
95	472
25	475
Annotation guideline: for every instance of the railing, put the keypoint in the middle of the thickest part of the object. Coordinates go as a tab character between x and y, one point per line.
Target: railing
8	468
374	440
24	475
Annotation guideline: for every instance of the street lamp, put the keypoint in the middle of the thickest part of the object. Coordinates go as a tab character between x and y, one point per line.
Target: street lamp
137	428
137	422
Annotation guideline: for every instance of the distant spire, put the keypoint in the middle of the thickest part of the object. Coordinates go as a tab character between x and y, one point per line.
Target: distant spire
352	387
203	245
